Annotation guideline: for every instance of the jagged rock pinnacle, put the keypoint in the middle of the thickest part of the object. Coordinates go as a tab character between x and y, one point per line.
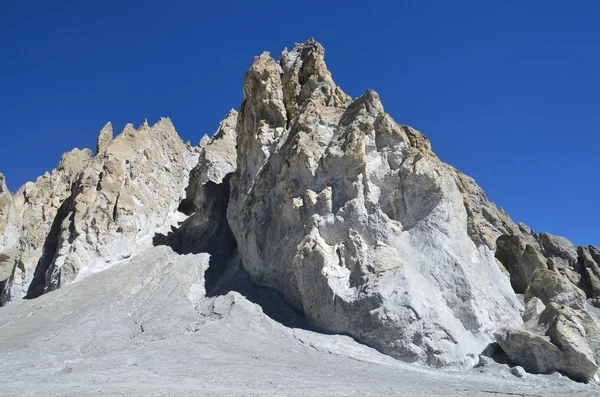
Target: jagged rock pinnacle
104	138
144	126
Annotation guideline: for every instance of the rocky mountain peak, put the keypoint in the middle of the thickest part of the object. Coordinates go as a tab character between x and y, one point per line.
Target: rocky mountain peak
347	215
104	137
305	77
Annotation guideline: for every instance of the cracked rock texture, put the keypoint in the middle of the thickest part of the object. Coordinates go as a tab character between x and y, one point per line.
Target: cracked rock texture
322	209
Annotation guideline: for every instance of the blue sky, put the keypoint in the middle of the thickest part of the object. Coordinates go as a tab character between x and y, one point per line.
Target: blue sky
507	91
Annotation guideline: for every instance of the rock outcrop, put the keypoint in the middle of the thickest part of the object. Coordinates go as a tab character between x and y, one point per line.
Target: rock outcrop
552	271
558	334
8	237
589	262
559	338
40	208
207	195
91	212
130	190
328	204
357	222
524	252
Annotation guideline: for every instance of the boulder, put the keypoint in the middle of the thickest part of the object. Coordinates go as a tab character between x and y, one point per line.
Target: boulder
521	259
563	255
559	339
551	286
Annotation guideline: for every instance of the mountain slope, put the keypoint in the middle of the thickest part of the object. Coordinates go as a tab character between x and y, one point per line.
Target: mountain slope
143	327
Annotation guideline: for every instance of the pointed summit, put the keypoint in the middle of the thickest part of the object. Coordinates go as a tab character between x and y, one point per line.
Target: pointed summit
128	130
144	126
104	138
305	76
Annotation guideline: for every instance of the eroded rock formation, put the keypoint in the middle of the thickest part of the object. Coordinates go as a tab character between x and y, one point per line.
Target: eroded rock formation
326	201
91	212
357	221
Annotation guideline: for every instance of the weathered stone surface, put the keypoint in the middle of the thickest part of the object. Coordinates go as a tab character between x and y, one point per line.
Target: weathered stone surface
130	190
518	371
589	265
207	196
141	328
357	222
485	222
104	138
551	286
8	236
40	207
328	200
533	307
523	251
559	339
91	212
562	254
218	156
521	258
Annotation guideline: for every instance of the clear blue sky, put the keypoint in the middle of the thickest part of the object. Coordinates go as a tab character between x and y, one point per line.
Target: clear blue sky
507	91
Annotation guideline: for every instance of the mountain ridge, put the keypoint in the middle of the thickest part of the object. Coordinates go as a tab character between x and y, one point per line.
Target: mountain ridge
350	216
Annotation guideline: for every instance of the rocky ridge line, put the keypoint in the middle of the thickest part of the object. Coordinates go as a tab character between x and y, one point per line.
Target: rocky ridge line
349	215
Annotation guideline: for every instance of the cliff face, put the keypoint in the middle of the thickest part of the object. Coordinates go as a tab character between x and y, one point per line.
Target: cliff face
356	220
91	212
330	202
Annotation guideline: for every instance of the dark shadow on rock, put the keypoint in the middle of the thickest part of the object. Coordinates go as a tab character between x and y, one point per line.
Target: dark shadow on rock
207	230
495	353
39	282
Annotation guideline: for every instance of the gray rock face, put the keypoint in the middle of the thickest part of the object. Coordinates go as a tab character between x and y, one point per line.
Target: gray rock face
558	334
556	275
589	262
357	222
207	195
130	190
144	328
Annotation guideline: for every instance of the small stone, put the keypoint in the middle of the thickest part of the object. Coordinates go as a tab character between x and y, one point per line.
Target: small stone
484	361
518	371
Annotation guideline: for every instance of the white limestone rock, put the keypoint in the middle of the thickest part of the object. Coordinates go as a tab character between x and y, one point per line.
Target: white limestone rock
356	221
8	236
39	205
91	212
130	190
